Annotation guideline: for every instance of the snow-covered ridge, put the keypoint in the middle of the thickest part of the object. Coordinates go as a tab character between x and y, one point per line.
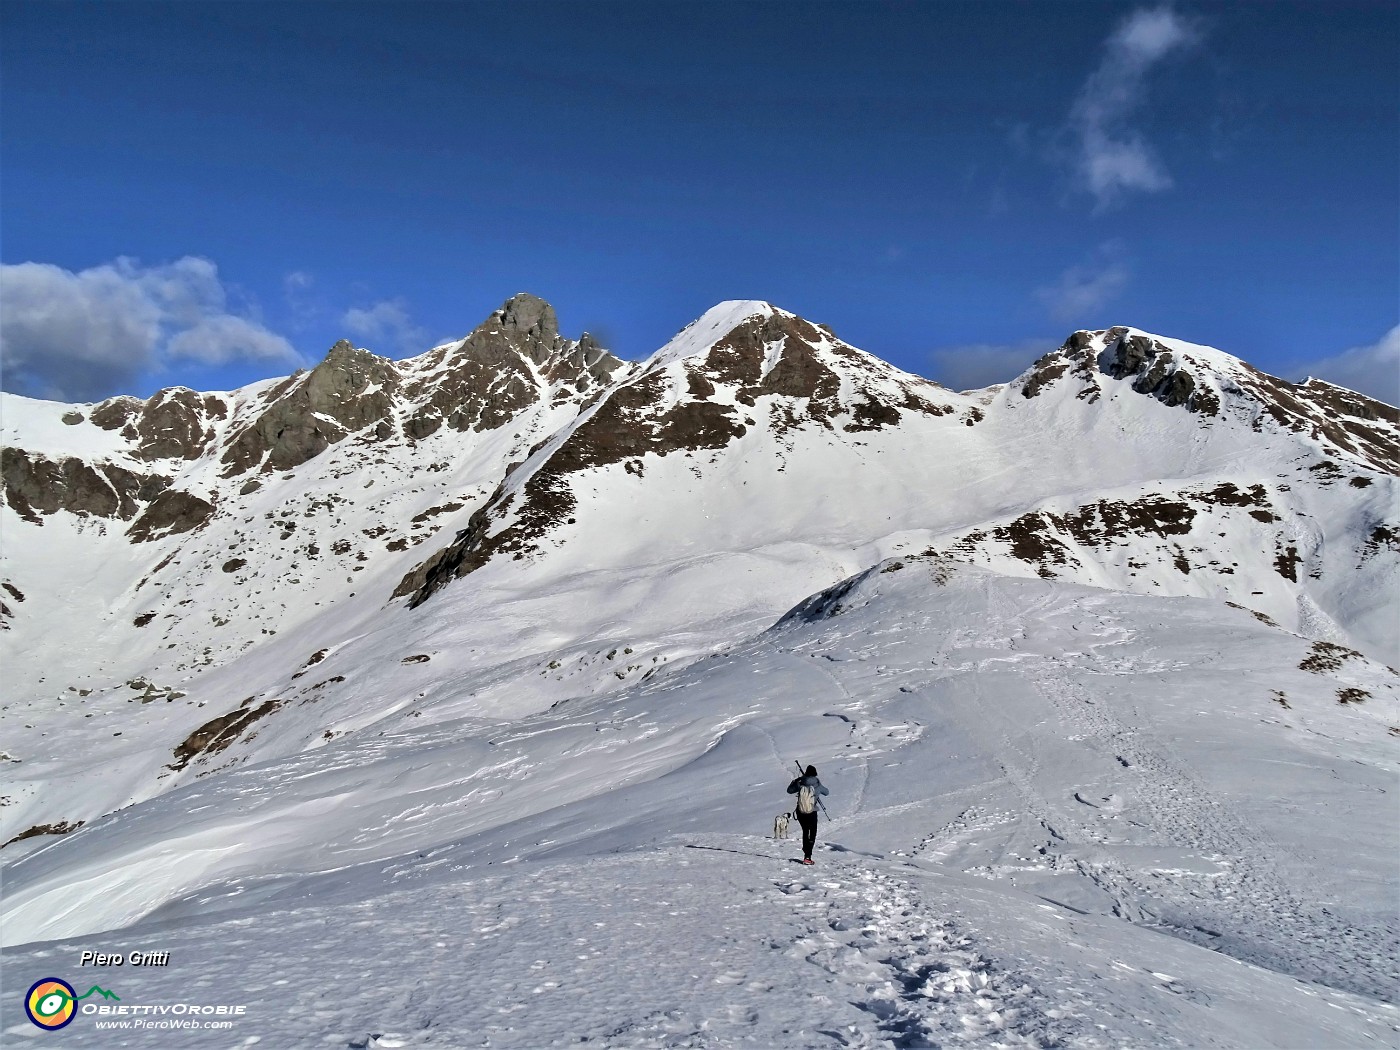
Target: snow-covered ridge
709	328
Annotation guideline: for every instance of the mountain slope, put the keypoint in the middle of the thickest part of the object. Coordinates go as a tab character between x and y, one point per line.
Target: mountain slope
1035	786
1107	643
611	520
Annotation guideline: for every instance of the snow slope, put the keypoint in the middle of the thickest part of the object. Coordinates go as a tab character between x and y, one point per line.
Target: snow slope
1060	815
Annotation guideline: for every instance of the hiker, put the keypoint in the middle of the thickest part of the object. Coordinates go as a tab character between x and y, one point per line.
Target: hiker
807	787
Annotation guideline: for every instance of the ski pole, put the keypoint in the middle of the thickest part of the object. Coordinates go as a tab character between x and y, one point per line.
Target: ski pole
801	772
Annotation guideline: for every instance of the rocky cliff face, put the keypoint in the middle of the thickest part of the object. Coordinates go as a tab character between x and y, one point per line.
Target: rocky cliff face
173	424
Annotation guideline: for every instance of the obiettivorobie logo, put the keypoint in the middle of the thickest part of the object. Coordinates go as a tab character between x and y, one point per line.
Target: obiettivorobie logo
53	1003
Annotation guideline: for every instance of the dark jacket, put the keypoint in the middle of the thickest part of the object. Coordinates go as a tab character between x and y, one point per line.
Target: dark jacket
796	785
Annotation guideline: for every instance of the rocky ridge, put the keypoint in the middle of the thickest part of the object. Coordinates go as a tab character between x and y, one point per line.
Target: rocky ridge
770	370
512	360
1207	382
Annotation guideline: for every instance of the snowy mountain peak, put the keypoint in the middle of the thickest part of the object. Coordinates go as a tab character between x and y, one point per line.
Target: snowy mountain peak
709	328
1218	386
745	375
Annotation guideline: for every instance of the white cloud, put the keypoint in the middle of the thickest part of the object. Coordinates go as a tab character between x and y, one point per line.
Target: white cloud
224	338
975	365
1111	157
88	334
385	321
1372	370
1082	290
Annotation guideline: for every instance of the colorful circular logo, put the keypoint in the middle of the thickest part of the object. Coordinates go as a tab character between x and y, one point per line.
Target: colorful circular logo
50	1003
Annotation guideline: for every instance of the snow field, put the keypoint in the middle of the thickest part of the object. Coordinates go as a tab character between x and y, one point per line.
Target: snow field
723	941
1054	808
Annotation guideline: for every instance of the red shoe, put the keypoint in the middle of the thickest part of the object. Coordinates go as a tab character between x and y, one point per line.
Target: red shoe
808	860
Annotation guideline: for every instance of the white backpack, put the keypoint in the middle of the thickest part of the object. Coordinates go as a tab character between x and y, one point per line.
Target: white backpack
806	799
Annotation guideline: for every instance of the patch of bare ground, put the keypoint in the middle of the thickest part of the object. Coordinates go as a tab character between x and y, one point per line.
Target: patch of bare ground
1384	536
431	512
62	827
1263	618
1327	656
311	661
218	733
1031	540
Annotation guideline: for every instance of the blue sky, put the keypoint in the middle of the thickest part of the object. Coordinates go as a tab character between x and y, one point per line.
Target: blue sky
210	193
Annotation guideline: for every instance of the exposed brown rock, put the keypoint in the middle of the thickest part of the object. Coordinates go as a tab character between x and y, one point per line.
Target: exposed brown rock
1343	419
1385	536
311	661
116	413
1155	371
1044	372
626	425
870	414
62	827
1228	494
173	424
432	512
173	511
348	391
1041	538
1031	540
218	733
1073	358
1325	657
36	485
1096	523
484	381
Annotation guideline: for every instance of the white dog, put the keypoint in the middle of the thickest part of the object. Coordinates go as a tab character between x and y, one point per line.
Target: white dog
780	825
